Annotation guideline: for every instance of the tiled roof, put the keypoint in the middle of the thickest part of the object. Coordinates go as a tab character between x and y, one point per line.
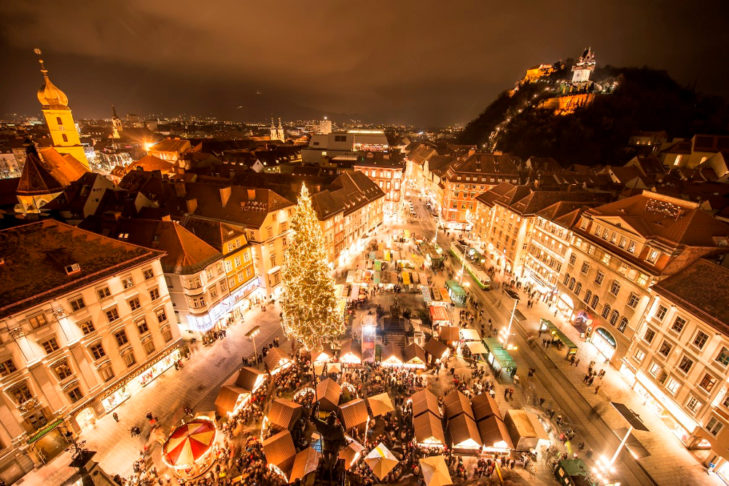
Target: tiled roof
169	145
496	193
349	192
214	233
537	200
186	253
35	256
65	168
36	179
246	206
484	163
671	220
150	163
702	288
421	153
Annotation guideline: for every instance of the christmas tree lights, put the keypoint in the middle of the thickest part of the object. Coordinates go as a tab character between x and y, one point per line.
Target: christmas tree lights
309	302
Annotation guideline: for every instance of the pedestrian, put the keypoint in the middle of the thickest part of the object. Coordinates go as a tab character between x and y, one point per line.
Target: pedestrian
597	388
541	402
115	416
577	361
506	394
511	393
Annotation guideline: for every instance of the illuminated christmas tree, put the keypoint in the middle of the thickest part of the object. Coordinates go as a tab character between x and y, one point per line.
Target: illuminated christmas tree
309	302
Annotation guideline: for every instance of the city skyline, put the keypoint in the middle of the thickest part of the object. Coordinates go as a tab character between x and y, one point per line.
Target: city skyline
404	64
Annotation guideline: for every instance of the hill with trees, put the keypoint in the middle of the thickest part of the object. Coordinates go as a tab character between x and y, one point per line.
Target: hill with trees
643	99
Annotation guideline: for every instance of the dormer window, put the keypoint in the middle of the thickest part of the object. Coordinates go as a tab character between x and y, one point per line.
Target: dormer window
652	256
72	268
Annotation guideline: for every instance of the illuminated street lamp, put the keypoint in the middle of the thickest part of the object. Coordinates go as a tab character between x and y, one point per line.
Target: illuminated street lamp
252	336
605	467
514	296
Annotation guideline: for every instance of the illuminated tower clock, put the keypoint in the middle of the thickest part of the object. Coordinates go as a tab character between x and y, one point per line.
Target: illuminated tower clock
54	102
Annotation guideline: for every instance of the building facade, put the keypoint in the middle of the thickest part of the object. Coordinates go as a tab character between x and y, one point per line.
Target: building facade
390	177
87	328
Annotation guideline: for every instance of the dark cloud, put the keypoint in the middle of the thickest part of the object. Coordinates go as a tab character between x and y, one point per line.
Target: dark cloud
417	61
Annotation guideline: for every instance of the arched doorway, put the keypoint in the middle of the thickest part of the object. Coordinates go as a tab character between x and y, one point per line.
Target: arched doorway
86	418
604	342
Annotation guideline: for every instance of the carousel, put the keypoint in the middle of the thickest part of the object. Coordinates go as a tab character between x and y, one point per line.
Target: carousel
187	451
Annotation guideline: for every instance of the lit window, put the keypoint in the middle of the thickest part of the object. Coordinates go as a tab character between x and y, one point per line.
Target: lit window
661	313
707	382
62	370
672	386
714	425
723	357
693	404
50	345
665	348
639	355
700	339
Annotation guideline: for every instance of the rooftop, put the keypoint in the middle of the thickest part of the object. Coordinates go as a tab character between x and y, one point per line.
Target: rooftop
48	247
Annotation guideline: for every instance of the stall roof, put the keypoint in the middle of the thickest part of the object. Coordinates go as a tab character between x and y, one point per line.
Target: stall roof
413	354
438	313
457	403
380	404
354	413
500	354
275	358
305	462
435	471
493	431
463	428
392	353
425	401
351	453
428	426
449	333
477	347
470	335
249	378
227	398
328	392
554	331
456	288
350	352
279	449
284	413
435	348
526	424
484	406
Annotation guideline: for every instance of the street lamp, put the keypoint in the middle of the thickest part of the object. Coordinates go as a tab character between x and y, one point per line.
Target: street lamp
605	467
255	331
514	296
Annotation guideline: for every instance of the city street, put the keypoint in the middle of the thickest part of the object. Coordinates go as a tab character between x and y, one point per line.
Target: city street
196	385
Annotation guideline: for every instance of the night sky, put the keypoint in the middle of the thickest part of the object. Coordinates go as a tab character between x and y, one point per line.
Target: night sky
421	62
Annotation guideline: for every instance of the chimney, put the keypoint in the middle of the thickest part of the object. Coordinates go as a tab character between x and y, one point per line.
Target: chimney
251	194
224	195
191	205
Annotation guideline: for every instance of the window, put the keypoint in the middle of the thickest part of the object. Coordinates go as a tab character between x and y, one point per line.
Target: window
665	348
661	313
103	293
62	370
97	351
20	393
585	267
142	326
605	311
649	335
588	295
714	425
129	358
700	339
678	325
567	279
631	247
149	346
573	259
59	121
685	364
707	382
578	289
572	283
723	357
50	345
623	324
615	287
652	256
161	316
77	304
64	137
213	293
148	273
633	300
127	282
106	372
112	314
599	277
38	320
87	326
223	285
672	386
614	318
74	394
595	301
7	367
121	338
639	355
654	369
693	404
154	294
134	303
166	333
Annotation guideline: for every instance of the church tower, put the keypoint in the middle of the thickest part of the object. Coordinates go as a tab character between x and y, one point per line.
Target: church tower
116	124
273	133
54	102
281	135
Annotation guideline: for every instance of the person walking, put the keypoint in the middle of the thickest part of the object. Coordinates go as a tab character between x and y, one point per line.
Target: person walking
115	416
597	388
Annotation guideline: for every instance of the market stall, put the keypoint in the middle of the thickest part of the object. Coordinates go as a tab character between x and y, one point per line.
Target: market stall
436	349
391	355
250	378
439	316
468	334
464	434
435	471
230	399
380	404
495	435
187	449
525	430
350	353
425	401
428	430
414	356
280	453
328	392
284	413
354	414
306	462
449	335
484	406
351	453
381	461
276	360
456	403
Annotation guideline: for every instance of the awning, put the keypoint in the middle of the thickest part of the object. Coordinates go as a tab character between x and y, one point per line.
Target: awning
380	404
425	401
477	347
470	335
354	413
284	413
42	432
435	471
428	429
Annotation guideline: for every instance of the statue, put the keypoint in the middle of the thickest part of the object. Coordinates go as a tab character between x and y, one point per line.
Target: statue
332	434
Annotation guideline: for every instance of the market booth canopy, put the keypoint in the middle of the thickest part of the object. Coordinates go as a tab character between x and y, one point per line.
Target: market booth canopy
436	348
380	404
484	406
425	401
276	360
392	355
305	463
456	403
470	335
494	433
250	379
328	392
414	356
428	430
464	433
228	399
354	413
280	451
351	453
381	461
350	353
449	334
189	443
284	413
435	471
